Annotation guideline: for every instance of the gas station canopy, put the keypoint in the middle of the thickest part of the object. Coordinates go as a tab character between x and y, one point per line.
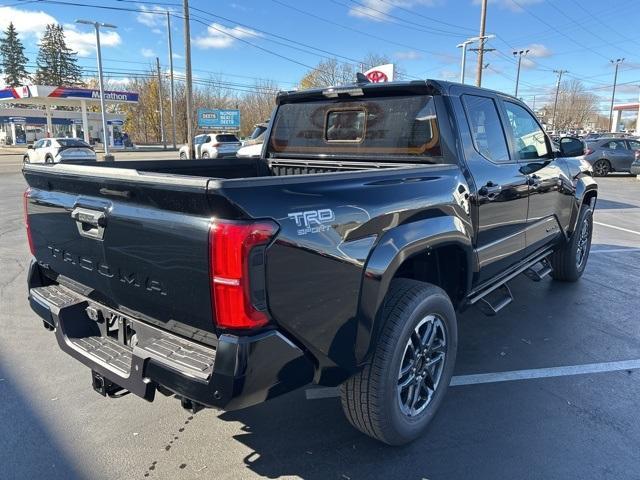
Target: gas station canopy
51	96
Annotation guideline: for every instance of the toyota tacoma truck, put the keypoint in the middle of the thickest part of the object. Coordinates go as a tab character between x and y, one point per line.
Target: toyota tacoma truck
337	258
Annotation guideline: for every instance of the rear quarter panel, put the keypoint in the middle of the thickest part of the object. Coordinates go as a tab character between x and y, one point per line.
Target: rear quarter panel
329	226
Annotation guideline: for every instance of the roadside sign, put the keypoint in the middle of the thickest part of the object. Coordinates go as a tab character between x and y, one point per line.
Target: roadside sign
218	119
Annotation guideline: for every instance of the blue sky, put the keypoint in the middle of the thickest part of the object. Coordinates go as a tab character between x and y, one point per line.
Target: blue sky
421	35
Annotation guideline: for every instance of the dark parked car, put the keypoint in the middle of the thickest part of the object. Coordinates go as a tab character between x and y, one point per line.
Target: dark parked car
340	257
611	154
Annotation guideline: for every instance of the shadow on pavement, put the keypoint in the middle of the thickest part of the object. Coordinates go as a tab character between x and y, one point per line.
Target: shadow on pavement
602	204
29	450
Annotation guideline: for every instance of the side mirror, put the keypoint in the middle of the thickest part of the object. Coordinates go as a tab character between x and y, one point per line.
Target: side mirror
571	147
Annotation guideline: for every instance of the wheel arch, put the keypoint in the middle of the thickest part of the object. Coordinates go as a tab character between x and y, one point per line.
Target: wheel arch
586	193
418	251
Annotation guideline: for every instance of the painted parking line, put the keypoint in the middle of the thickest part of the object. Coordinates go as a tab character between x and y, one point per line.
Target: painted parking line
617	228
615	250
510	376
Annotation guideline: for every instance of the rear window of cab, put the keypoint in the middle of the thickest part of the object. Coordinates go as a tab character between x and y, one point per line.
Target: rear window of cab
398	126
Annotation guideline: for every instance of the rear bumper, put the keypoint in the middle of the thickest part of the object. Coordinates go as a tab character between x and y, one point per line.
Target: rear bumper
241	371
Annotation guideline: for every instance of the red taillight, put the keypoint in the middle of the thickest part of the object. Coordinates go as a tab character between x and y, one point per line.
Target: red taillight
231	246
588	151
217	144
25	203
637	154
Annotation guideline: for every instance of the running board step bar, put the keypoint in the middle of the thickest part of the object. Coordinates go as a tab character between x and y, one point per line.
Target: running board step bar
538	271
495	300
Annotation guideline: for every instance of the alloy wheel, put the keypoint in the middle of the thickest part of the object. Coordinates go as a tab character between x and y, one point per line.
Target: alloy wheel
583	242
422	365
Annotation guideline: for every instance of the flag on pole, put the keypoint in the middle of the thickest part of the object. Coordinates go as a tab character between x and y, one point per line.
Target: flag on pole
381	73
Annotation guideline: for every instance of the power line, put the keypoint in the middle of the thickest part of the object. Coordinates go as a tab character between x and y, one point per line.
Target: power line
398	20
352	29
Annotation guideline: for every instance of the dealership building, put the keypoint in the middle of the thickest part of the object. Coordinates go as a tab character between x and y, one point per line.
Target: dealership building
31	112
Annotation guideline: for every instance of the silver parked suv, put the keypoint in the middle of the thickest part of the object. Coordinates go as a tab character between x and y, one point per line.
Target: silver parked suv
611	154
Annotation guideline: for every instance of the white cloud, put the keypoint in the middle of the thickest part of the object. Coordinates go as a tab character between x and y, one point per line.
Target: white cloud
147	53
536	50
513	5
119	82
219	36
177	56
27	22
377	10
84	42
153	16
32	24
408	55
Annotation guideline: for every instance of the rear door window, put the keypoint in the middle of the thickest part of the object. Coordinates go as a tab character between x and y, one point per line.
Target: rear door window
486	128
615	145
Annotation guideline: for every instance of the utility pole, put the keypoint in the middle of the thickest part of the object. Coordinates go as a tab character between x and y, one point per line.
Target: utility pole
555	103
483	19
105	132
187	67
617	63
160	106
519	54
171	87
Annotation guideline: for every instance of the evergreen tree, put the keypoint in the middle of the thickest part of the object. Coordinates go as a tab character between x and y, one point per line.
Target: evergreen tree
57	63
13	58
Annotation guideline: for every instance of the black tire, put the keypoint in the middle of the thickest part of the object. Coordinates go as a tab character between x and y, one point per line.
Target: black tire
25	159
183	156
601	168
205	155
569	261
48	159
371	399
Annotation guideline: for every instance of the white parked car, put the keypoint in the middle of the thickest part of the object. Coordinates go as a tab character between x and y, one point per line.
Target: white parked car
253	146
55	150
212	145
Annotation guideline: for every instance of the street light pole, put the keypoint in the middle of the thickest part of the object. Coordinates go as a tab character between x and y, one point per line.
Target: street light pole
463	45
171	88
160	105
519	54
105	132
617	63
187	67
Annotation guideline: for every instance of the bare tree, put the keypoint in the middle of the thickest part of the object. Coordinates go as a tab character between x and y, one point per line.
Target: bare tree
576	106
332	72
256	107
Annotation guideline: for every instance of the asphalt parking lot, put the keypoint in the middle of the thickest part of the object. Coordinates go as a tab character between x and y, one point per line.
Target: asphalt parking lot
567	424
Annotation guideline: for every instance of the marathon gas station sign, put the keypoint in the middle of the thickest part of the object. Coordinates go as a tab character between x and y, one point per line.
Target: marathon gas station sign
66	93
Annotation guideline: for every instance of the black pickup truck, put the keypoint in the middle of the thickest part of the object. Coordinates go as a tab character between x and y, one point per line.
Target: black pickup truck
339	257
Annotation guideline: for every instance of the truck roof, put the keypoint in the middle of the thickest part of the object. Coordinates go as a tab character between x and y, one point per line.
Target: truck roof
427	86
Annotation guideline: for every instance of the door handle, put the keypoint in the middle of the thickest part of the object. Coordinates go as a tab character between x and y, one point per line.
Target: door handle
534	181
90	223
490	190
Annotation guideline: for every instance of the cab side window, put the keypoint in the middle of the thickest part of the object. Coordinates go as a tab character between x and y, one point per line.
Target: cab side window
529	139
38	144
486	129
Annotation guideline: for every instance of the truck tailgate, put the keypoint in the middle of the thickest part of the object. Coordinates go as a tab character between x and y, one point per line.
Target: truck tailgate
136	242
